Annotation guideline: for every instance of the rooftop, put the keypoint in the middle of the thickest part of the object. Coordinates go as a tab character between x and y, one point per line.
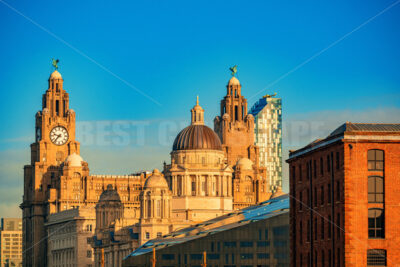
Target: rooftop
264	210
350	129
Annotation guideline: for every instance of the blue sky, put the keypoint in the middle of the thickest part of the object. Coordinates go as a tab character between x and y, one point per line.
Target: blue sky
175	50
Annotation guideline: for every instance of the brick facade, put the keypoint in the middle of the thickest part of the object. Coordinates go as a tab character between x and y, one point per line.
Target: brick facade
331	177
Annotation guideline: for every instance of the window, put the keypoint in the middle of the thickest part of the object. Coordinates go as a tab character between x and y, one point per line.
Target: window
329	193
315	228
328	163
300	173
280	231
321	168
375	189
246	256
213	256
159	234
147	235
196	256
375	160
337	161
338	191
246	244
376	257
338	225
262	244
262	255
315	169
315	197
294	173
231	244
301	201
329	227
193	186
168	257
280	243
376	223
322	228
301	232
89	254
322	195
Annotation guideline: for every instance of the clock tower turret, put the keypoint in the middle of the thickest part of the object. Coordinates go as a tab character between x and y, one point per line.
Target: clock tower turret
54	142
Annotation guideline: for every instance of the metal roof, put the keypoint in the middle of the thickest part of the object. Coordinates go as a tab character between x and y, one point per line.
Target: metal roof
264	210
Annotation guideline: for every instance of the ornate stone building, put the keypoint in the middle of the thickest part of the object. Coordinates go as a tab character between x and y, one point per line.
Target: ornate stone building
199	178
57	177
205	179
236	129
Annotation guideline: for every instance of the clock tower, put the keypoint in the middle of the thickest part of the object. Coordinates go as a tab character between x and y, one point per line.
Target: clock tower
54	141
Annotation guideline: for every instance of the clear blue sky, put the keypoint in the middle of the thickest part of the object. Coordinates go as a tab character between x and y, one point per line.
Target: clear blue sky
174	50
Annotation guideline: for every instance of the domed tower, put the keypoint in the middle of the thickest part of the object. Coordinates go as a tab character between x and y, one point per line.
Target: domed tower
155	208
109	209
200	180
235	127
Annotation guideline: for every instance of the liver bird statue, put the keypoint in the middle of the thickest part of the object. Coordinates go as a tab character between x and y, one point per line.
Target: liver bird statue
233	70
55	63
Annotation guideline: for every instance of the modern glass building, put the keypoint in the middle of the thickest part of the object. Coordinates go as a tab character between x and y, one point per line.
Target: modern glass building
267	114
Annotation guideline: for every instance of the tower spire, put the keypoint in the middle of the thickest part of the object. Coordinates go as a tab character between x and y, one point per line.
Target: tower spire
197	113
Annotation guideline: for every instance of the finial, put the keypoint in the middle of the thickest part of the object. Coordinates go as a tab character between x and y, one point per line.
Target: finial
233	70
55	63
197	101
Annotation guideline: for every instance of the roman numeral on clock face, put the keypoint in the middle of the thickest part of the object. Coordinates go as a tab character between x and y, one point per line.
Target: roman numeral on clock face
59	135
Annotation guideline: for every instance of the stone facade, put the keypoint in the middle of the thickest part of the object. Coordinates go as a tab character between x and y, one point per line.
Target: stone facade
235	128
58	179
68	234
350	180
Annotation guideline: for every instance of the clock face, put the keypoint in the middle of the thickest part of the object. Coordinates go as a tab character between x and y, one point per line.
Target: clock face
59	135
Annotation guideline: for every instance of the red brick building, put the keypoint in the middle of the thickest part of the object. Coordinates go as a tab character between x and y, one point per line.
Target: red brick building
345	199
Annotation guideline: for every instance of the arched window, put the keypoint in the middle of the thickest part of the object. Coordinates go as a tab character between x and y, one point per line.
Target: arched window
375	189
376	224
375	160
149	209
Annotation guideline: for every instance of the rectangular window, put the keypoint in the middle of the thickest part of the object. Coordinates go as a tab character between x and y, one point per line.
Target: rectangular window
246	256
213	256
315	169
168	257
262	244
337	161
301	201
376	257
322	228
301	232
376	227
322	195
339	229
328	163
89	254
196	256
338	191
246	244
375	160
329	193
315	197
231	244
300	173
321	168
262	255
315	228
280	231
329	227
375	189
